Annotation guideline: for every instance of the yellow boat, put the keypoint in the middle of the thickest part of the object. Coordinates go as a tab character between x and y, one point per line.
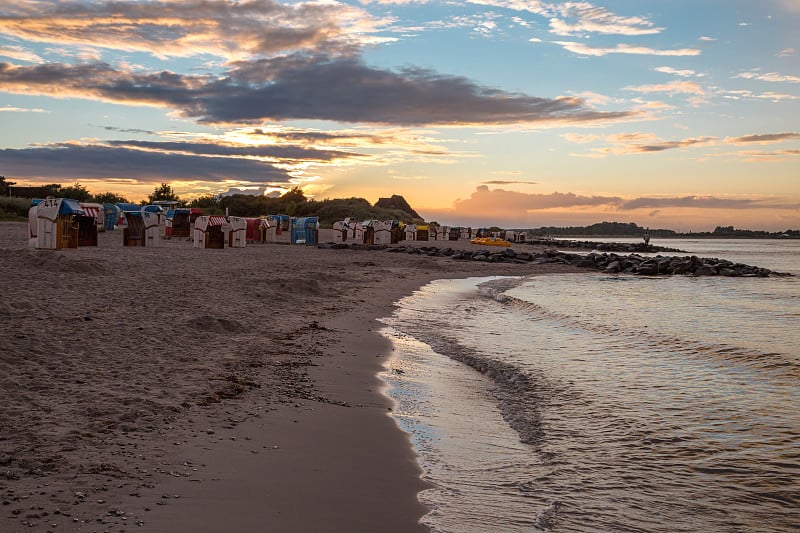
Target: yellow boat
491	241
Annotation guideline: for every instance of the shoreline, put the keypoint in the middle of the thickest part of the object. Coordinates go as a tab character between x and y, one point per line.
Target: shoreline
367	476
166	388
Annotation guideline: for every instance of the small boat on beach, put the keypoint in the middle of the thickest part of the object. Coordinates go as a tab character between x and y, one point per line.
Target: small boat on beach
491	241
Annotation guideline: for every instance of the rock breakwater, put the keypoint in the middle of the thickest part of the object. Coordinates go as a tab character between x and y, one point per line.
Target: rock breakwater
607	262
626	247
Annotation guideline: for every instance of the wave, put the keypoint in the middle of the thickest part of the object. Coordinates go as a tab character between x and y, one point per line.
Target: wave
610	415
779	365
519	394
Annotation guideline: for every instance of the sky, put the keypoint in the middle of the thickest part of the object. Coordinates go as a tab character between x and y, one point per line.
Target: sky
678	114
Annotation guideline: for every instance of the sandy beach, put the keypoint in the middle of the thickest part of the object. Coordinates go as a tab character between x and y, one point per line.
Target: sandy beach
183	389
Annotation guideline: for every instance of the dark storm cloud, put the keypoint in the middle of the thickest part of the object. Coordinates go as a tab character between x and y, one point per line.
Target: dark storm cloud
347	90
79	161
340	89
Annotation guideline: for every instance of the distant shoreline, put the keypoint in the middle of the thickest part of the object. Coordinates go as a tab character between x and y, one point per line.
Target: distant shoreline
673	237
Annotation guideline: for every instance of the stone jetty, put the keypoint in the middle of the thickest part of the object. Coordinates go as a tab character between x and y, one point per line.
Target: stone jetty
607	262
625	247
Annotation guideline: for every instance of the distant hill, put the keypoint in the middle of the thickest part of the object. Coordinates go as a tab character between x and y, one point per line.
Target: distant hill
397	202
621	229
602	229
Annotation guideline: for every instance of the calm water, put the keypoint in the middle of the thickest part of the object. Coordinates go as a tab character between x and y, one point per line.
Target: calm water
606	403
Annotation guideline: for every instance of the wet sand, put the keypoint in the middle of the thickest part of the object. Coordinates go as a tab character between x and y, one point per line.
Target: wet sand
182	389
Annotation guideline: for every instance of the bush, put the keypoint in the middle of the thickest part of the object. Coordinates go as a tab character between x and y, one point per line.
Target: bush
329	211
13	208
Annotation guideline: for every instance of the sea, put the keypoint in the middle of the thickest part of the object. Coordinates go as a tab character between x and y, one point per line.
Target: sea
596	402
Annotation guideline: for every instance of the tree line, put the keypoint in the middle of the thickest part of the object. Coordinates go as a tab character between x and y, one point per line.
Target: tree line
292	202
631	229
295	203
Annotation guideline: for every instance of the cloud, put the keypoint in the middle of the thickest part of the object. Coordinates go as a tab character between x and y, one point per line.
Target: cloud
73	161
410	178
588	18
777	155
633	143
685	73
18	53
673	87
347	90
537	7
764	138
521	22
772	77
278	62
509	182
671	145
483	24
570	18
652	105
373	138
209	163
347	147
586	50
487	207
285	154
594	98
394	2
299	87
192	27
705	202
582	138
129	130
10	109
485	200
769	95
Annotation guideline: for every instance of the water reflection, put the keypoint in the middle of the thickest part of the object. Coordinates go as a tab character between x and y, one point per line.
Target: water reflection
641	402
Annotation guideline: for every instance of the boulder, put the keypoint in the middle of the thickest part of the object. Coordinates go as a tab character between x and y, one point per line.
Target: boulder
647	268
705	270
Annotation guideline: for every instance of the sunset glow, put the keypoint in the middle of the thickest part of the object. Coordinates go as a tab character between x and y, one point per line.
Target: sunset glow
519	114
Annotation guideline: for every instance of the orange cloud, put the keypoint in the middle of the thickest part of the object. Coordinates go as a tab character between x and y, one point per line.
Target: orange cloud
673	87
192	27
511	209
634	143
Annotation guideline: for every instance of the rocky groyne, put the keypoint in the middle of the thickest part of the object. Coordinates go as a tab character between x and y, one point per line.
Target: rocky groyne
607	262
625	247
